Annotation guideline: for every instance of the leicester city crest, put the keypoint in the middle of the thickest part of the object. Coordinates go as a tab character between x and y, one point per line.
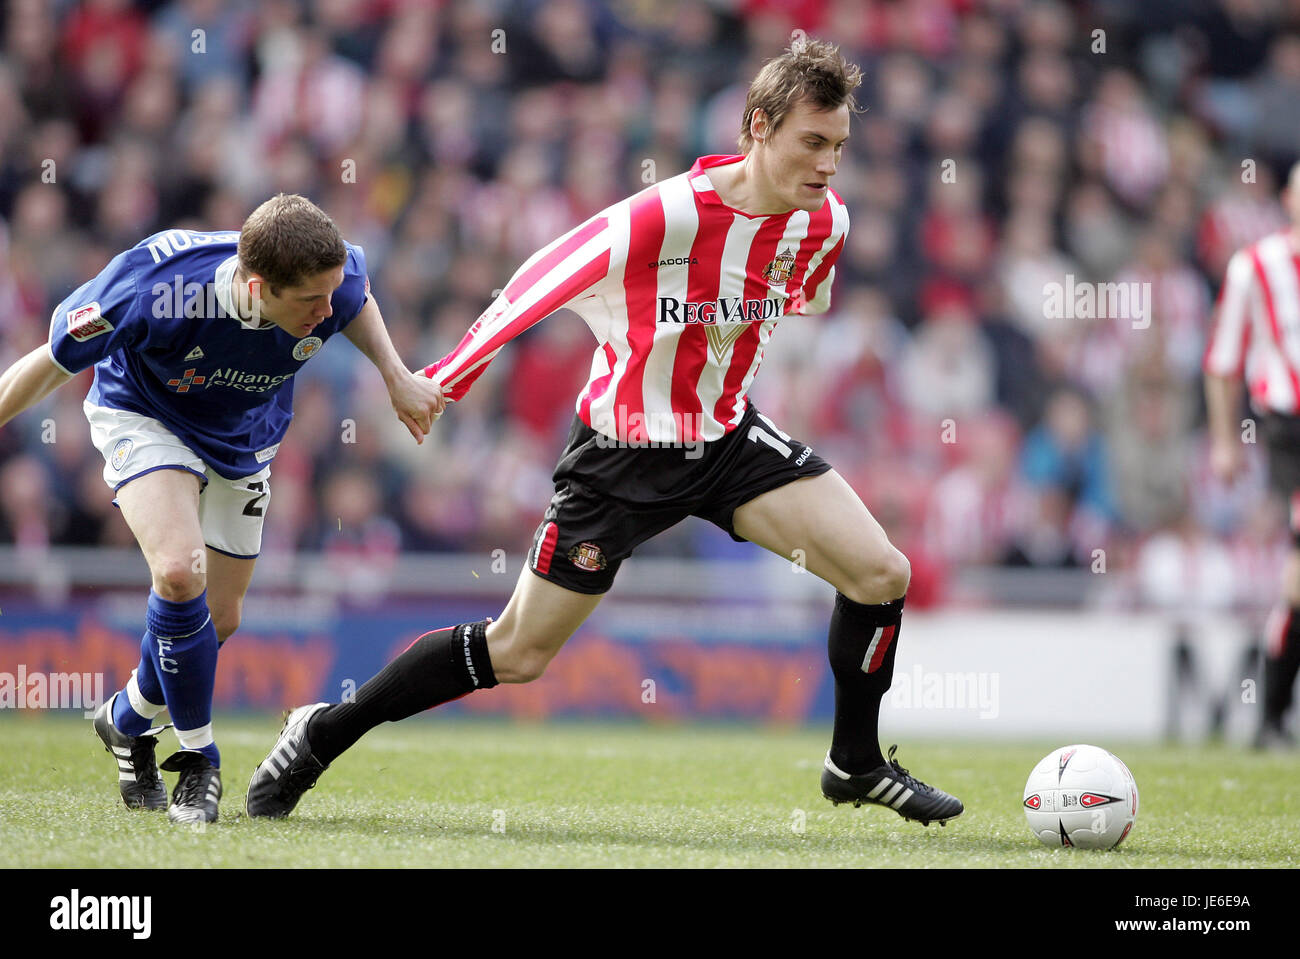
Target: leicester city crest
120	452
307	347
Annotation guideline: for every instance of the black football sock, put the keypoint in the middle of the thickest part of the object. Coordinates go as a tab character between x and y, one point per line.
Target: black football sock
1280	668
862	643
438	667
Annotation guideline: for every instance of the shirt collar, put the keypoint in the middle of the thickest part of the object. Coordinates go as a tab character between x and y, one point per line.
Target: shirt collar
699	178
224	280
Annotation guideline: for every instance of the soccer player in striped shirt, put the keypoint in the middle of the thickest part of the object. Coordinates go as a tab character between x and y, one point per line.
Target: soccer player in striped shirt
195	339
1256	340
682	285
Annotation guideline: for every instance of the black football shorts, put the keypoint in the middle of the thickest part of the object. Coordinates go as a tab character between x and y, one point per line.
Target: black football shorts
609	499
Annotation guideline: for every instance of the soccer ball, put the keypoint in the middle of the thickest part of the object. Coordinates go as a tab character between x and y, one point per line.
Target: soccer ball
1081	796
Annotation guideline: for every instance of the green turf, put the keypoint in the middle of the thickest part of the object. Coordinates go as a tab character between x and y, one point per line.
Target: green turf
432	792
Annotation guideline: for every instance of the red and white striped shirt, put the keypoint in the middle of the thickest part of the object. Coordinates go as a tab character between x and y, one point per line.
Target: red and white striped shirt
682	292
1256	333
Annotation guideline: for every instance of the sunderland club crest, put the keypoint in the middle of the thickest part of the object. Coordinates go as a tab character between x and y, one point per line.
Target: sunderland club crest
779	270
587	556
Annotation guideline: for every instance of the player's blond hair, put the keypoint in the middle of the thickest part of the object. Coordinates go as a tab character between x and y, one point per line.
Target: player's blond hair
811	70
288	239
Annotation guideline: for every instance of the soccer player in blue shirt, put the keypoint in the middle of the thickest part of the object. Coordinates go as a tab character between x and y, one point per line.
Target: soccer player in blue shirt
195	339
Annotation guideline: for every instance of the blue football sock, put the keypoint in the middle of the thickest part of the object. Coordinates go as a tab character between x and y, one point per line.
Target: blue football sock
184	641
134	710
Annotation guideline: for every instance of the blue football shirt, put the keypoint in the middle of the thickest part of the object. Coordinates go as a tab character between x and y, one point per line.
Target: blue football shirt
159	327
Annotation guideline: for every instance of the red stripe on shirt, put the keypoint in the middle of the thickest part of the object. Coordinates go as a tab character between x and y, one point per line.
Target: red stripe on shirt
1216	322
702	283
598	386
640	288
1274	328
762	251
820	225
520	284
823	269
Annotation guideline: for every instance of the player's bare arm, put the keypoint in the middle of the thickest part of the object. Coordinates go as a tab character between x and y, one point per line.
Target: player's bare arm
1223	401
29	381
417	399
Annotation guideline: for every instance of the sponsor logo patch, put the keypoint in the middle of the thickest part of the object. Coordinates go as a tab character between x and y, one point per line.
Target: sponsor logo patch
587	556
194	354
87	322
263	455
121	452
721	337
186	380
307	348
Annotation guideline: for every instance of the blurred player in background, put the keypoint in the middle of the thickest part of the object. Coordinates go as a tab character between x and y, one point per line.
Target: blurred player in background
683	285
1256	338
195	339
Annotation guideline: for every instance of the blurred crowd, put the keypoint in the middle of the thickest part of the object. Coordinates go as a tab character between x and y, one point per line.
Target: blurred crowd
1004	146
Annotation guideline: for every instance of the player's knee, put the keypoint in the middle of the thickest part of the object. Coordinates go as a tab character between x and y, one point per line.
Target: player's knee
883	581
177	581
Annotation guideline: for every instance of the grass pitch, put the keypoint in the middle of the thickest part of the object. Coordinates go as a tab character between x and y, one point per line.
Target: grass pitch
436	793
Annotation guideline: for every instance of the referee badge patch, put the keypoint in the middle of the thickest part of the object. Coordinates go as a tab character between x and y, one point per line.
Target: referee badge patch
120	453
587	556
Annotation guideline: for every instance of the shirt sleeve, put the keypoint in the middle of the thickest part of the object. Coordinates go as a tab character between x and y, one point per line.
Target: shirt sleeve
814	296
351	296
99	318
817	288
552	278
1225	353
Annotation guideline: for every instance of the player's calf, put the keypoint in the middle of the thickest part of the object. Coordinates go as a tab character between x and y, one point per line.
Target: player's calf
519	662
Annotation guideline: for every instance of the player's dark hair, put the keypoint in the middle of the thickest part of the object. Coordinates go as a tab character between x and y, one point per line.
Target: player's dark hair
811	70
288	239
